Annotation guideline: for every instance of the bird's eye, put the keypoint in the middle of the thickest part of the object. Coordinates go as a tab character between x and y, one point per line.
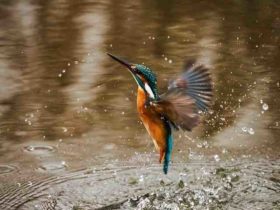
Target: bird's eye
137	71
134	68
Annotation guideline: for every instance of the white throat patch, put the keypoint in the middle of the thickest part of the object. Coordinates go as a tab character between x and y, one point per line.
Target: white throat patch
149	91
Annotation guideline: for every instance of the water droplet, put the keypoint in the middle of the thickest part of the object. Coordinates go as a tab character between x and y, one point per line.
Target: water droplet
251	131
76	62
64	129
265	107
244	129
59	75
170	61
217	158
141	178
63	71
205	144
165	58
68	64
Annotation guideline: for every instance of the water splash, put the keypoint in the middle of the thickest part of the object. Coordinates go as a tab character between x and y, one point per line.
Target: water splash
265	107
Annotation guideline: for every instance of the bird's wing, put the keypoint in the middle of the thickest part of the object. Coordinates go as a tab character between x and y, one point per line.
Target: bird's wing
196	82
179	108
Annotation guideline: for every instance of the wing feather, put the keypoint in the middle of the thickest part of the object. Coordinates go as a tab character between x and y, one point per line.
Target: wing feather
196	82
179	108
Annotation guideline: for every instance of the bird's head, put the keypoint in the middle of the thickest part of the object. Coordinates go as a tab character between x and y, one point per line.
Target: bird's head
144	76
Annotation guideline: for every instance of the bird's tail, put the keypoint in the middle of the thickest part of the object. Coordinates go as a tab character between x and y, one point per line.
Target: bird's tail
167	157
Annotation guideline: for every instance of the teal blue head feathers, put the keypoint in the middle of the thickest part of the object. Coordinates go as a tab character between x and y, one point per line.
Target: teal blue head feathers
149	76
143	75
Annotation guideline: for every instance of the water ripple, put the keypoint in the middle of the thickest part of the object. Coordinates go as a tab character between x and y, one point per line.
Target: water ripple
7	169
39	149
238	184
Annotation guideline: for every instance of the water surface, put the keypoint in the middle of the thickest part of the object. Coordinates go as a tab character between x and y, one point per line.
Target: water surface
70	136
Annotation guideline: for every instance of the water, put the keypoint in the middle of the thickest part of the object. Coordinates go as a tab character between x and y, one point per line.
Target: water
70	137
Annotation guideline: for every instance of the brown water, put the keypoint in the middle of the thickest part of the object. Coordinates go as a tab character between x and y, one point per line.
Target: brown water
70	137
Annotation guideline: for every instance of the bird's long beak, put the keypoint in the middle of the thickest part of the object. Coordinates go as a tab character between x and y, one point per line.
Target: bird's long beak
123	62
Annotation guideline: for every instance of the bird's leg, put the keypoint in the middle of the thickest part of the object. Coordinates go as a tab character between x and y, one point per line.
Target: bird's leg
161	155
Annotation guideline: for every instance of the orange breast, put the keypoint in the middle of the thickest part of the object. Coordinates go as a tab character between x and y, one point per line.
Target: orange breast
152	121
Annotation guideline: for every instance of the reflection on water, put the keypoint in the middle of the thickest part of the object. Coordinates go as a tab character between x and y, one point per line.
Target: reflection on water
65	105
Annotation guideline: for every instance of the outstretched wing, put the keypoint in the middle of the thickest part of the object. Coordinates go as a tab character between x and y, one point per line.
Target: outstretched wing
195	81
189	92
179	108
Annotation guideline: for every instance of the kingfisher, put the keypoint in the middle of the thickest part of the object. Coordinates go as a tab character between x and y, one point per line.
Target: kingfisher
188	94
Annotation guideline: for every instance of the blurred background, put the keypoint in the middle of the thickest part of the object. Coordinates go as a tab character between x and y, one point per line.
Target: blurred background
66	106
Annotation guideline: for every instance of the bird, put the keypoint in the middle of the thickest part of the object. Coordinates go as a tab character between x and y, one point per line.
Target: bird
187	95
